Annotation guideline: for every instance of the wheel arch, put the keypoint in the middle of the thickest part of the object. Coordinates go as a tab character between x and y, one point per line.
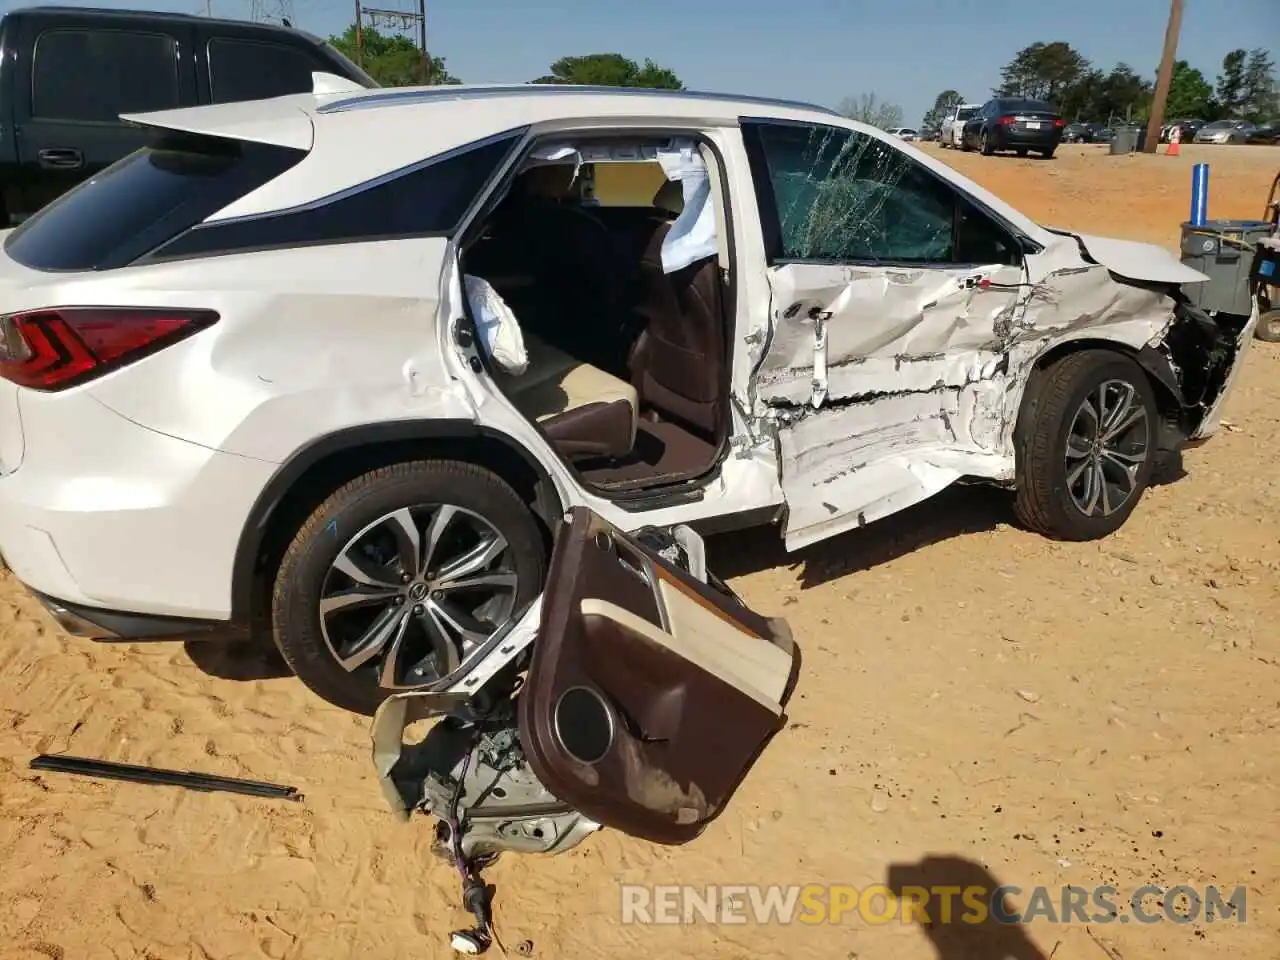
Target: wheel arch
1154	364
322	466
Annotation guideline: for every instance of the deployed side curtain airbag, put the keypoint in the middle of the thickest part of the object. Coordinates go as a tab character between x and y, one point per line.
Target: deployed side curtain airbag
693	236
497	325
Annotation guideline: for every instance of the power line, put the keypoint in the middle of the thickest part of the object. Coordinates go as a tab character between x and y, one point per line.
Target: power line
271	11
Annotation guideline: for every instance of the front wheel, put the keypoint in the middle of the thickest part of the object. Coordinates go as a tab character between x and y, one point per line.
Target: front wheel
1086	445
399	575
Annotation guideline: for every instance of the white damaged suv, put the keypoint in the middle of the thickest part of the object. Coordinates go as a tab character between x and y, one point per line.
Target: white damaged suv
340	362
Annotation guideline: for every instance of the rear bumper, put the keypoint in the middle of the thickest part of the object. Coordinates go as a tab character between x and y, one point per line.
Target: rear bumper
106	516
1035	139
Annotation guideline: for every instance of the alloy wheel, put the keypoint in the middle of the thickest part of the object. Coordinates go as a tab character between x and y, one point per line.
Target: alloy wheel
414	592
1107	446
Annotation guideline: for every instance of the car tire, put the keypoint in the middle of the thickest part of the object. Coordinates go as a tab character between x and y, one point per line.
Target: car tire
1048	154
348	523
1022	151
1268	327
985	144
1063	450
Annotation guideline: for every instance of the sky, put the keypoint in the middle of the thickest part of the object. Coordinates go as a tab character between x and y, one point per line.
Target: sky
821	51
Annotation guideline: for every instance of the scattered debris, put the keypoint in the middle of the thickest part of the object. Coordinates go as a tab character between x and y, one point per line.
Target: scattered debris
1029	695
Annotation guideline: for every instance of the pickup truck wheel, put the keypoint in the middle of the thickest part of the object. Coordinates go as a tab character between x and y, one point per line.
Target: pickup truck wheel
399	575
1085	445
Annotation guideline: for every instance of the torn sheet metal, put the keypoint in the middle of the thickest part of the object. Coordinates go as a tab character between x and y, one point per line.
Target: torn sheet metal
887	384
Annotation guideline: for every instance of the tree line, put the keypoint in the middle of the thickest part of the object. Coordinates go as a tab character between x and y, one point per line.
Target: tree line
1245	88
393	60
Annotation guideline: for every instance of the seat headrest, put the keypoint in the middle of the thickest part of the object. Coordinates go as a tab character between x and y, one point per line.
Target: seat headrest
551	180
670	198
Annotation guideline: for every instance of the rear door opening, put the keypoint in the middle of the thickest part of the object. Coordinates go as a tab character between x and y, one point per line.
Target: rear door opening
610	252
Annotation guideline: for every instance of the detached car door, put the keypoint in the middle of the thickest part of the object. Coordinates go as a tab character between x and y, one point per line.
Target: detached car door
650	693
891	293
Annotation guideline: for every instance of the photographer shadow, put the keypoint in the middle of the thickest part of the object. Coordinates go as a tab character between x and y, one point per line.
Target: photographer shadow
973	931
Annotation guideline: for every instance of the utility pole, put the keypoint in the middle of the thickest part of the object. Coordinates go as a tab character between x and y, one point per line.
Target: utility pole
1165	77
422	23
359	35
405	21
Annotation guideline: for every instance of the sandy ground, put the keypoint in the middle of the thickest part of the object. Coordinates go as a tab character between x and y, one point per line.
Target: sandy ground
975	702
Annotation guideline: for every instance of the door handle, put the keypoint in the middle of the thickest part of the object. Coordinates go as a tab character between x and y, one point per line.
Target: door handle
58	158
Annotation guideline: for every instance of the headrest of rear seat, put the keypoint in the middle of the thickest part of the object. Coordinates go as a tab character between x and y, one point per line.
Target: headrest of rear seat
670	198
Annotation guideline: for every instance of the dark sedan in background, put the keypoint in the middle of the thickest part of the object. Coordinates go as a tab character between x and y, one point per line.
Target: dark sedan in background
1087	133
1008	123
1266	133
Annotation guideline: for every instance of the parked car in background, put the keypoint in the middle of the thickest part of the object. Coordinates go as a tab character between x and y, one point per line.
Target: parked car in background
66	75
1224	131
1087	133
195	436
1265	133
952	130
1188	128
1020	125
903	133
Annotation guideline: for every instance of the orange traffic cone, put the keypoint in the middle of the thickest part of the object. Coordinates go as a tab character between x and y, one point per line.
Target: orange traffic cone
1175	138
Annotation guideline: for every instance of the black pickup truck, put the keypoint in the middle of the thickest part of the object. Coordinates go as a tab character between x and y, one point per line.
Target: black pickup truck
67	73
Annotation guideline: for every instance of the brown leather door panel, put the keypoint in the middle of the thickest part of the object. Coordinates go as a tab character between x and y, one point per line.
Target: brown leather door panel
649	694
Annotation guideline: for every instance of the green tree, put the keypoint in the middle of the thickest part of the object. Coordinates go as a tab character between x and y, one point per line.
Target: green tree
1190	94
1082	100
1042	71
391	59
611	70
872	111
945	102
1229	94
1258	100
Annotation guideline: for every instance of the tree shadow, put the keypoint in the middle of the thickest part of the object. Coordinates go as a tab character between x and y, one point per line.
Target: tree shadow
968	933
953	512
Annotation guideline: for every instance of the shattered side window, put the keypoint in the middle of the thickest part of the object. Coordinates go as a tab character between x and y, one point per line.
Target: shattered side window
842	195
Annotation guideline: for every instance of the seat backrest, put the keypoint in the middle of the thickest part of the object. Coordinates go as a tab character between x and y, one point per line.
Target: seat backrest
679	363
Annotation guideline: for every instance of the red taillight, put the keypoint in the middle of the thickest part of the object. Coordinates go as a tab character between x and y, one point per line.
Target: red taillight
1008	121
54	349
1059	122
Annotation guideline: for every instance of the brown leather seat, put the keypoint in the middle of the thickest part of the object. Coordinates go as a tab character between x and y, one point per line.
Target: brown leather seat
678	364
584	411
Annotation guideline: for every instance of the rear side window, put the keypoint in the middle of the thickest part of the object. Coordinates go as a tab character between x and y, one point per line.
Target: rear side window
249	70
99	74
426	200
147	198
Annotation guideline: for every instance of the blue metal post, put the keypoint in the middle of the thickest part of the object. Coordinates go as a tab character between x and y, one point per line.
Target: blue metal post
1199	194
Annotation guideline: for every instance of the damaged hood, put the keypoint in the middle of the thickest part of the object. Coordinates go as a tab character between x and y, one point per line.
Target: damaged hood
1136	261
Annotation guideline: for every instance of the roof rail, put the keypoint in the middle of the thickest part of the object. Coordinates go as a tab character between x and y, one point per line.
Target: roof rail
413	95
